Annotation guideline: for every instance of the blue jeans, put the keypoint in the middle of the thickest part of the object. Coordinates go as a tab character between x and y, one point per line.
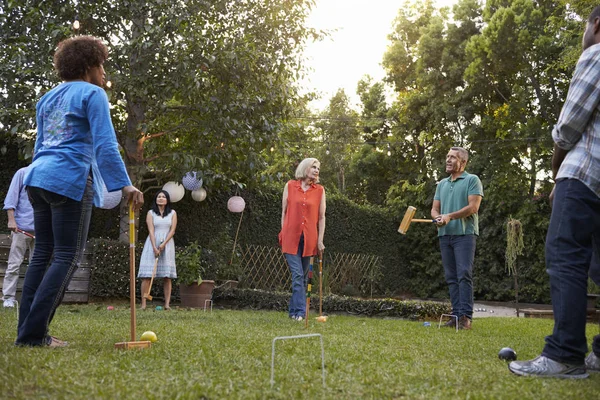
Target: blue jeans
458	254
61	228
299	268
574	228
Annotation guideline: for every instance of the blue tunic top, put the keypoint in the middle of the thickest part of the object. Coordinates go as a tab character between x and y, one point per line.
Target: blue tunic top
75	136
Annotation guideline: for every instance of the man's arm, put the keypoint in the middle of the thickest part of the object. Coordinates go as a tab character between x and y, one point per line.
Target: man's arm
581	102
557	158
470	209
12	224
435	209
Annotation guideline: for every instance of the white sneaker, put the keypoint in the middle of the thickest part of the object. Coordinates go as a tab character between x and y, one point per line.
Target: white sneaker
9	303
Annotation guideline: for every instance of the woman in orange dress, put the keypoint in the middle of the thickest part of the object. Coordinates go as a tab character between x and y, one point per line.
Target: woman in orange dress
302	228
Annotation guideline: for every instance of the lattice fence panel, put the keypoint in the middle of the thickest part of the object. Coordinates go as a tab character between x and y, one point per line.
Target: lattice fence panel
265	268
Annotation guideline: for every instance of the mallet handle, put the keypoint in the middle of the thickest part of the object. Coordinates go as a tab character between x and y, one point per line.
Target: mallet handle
25	233
423	220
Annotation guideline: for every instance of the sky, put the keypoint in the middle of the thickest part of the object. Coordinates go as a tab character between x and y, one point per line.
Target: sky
354	50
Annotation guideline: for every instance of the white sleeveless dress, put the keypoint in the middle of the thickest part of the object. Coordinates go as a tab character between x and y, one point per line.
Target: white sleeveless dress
166	260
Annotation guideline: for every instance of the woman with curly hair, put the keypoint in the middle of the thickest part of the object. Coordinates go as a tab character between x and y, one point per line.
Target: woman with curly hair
75	154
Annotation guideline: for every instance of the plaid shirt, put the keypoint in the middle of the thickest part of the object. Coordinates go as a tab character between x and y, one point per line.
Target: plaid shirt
578	126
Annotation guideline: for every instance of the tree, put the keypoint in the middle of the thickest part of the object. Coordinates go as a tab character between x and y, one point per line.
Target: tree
339	131
197	85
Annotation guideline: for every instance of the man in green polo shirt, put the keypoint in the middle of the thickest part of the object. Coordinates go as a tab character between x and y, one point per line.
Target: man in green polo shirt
455	207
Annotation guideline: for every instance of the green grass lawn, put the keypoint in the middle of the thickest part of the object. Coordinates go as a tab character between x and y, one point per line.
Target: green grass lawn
227	354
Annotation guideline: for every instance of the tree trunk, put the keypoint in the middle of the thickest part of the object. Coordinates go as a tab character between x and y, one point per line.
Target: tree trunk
133	143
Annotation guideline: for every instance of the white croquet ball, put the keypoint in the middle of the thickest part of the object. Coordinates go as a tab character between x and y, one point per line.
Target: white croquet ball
199	195
175	190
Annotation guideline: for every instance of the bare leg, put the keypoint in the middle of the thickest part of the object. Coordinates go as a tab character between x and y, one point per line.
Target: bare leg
145	285
167	289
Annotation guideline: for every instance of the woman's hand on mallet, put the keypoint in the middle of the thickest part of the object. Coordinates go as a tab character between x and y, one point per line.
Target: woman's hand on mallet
132	194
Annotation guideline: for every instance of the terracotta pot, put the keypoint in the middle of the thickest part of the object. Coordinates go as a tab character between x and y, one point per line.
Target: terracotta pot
194	295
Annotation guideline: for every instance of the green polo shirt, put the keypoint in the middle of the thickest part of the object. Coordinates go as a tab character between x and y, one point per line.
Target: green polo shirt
454	195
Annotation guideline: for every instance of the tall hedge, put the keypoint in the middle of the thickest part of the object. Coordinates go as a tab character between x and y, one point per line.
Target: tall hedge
411	263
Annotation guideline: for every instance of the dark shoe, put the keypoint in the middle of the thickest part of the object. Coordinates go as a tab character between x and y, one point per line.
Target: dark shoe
592	362
464	322
451	323
544	367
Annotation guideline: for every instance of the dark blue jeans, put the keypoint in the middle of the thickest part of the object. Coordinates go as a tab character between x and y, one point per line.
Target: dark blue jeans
574	228
299	268
61	228
458	254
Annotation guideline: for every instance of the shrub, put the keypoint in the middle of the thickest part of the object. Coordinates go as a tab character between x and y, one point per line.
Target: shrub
278	301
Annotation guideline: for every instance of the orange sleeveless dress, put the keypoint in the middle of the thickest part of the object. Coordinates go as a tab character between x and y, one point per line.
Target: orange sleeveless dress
302	216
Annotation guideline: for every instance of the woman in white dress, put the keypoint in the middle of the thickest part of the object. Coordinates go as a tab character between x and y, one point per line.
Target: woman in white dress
162	222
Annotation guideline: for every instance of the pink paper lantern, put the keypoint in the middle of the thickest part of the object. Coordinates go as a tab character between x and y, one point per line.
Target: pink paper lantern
236	204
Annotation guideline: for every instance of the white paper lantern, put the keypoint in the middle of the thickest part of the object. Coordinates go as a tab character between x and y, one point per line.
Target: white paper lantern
236	204
110	199
191	181
199	194
175	190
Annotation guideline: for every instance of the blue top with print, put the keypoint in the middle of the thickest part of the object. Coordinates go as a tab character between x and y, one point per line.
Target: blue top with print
75	136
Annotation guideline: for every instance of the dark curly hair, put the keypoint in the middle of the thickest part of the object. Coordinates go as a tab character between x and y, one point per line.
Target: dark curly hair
76	55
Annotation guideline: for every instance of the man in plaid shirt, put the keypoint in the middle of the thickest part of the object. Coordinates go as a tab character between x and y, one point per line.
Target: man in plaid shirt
573	239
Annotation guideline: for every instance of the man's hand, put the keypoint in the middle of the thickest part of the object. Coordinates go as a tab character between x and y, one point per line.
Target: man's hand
131	193
442	220
12	225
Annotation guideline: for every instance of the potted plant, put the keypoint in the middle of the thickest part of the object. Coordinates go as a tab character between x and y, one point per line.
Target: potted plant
195	274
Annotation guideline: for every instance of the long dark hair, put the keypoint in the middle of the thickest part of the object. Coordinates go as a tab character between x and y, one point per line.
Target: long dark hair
167	206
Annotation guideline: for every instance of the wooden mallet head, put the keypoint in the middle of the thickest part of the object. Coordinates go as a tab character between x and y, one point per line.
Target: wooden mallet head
408	218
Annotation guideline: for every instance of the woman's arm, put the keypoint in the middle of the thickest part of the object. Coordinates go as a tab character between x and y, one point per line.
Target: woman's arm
171	231
321	226
284	204
150	224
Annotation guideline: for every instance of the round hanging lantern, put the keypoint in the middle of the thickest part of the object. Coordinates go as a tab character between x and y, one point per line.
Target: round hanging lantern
236	204
176	191
110	199
199	194
191	181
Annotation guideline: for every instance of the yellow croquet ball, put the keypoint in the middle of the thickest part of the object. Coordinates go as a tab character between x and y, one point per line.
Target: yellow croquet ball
322	318
150	336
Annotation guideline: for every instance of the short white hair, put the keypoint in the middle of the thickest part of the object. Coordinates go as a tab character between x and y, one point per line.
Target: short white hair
304	166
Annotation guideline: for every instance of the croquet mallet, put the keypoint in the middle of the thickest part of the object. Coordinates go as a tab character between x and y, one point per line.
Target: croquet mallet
133	344
147	295
321	317
25	233
308	291
408	218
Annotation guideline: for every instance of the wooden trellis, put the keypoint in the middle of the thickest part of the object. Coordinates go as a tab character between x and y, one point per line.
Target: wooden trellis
264	267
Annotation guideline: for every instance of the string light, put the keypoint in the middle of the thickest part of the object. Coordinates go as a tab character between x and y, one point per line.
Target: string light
76	24
108	84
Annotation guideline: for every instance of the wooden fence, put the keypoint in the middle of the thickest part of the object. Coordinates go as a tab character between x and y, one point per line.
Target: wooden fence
78	289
